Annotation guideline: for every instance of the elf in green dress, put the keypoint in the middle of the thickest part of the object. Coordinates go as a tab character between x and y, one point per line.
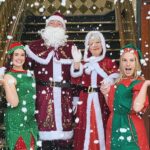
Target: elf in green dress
19	86
127	99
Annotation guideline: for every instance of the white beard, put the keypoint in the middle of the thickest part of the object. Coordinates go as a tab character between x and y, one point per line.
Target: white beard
53	36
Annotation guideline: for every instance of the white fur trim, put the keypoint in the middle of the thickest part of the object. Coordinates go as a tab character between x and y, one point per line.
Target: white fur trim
2	70
55	135
57	107
58	18
57	76
94	79
37	58
99	70
93	97
87	38
64	61
78	73
99	122
87	131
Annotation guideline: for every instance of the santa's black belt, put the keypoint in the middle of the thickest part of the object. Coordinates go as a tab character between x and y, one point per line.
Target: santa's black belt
90	89
54	84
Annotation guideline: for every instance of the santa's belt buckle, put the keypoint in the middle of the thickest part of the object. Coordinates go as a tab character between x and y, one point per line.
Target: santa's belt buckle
90	89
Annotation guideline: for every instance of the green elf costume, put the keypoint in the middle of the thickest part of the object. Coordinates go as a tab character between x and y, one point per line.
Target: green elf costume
125	128
20	121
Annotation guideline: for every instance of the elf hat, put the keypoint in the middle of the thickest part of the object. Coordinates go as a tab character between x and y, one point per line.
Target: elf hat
132	48
57	16
14	46
94	34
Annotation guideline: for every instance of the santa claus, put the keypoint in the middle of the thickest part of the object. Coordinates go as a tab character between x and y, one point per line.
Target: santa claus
50	58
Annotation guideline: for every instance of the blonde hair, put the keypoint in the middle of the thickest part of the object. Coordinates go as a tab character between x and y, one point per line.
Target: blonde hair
137	68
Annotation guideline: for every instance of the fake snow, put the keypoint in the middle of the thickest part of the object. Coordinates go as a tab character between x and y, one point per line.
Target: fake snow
96	141
34	96
80	102
19	75
70	110
24	102
43	92
39	143
123	130
9	37
24	109
63	2
33	84
25	118
129	138
121	138
77	120
107	46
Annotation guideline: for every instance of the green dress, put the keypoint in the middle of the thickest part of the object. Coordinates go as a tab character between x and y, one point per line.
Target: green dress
125	128
20	121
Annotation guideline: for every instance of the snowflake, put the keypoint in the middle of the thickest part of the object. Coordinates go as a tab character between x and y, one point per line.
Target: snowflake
96	141
80	102
70	110
36	112
43	92
41	9
24	109
77	120
24	102
33	84
36	4
129	138
121	138
34	96
63	2
39	143
25	118
123	130
14	17
9	37
19	75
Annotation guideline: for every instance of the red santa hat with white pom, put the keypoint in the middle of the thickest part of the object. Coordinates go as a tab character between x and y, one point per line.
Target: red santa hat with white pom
57	16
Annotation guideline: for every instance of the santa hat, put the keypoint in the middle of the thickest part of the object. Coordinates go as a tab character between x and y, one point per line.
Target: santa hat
102	39
132	48
14	46
57	16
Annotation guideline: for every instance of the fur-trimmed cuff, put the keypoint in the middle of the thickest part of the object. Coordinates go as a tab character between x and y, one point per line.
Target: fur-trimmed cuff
99	70
74	73
55	135
37	58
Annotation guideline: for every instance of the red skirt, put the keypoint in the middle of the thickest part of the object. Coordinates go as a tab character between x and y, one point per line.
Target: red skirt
20	144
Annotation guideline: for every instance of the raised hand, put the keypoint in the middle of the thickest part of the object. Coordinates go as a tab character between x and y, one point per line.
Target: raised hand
76	54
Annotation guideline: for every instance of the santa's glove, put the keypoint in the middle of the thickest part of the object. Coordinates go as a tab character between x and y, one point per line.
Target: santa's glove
108	81
76	54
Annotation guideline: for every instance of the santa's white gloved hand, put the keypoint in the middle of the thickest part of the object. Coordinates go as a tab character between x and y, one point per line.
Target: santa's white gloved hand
108	80
75	104
76	54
